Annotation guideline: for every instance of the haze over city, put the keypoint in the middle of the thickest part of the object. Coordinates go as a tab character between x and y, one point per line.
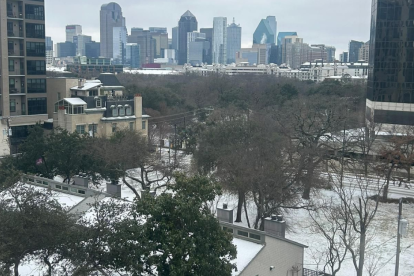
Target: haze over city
329	22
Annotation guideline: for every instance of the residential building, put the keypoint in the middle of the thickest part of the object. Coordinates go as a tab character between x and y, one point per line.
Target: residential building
119	37
343	57
331	52
318	52
187	24
110	17
234	32
294	51
390	94
132	57
92	49
264	33
81	40
49	50
220	40
354	47
93	66
22	71
364	52
174	42
66	49
263	51
146	44
209	37
72	31
100	108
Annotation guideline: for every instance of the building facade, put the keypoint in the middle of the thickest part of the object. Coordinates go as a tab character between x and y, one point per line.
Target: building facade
364	52
81	40
147	44
344	57
110	17
119	43
23	71
92	49
273	26
264	33
196	48
209	37
234	33
72	31
187	24
174	42
220	40
49	50
390	94
132	57
354	47
66	49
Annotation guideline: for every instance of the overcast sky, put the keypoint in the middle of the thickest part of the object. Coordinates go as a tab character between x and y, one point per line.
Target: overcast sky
330	22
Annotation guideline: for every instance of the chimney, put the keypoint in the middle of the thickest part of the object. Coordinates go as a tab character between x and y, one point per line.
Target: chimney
81	83
224	214
138	105
275	226
80	180
113	188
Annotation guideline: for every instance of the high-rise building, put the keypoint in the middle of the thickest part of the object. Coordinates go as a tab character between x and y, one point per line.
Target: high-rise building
66	49
119	43
273	25
343	57
22	70
209	37
81	40
161	43
132	55
282	35
195	48
331	51
49	50
174	43
73	30
220	40
92	49
390	94
188	23
294	51
234	32
162	30
364	52
264	33
110	17
354	47
146	44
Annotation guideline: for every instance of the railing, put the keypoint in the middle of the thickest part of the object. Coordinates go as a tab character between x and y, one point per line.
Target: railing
11	14
16	53
15	34
309	272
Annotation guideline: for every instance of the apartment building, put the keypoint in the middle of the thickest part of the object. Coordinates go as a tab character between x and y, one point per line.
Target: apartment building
23	70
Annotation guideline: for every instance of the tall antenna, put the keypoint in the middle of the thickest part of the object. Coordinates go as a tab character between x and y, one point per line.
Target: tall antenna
234	21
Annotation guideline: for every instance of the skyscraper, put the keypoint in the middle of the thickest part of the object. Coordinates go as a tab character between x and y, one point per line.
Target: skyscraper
73	30
273	25
343	57
92	49
234	32
220	40
49	50
390	94
188	23
119	43
132	55
80	44
264	32
110	17
146	44
195	48
282	35
174	42
354	47
22	71
209	38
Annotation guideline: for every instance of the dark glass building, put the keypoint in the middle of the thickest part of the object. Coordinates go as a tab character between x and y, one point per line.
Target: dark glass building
390	94
354	47
93	49
188	23
66	49
209	37
264	33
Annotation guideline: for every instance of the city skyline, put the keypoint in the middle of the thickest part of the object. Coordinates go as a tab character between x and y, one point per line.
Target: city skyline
323	25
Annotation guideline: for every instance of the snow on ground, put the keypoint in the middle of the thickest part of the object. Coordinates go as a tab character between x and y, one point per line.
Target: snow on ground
380	250
246	251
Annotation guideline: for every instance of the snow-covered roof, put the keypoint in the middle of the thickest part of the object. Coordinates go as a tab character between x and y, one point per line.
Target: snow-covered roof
246	252
75	101
87	86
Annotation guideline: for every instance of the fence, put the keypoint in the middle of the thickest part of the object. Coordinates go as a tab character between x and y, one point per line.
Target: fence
309	272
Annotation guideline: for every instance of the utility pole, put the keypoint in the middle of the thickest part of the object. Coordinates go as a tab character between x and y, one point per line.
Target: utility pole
397	259
159	126
175	144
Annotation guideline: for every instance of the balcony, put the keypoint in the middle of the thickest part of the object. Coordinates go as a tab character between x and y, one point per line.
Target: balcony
16	53
17	91
23	120
17	72
11	15
15	34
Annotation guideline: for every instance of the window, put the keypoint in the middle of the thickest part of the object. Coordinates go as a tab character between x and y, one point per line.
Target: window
131	125
80	129
37	106
12	84
35	49
36	67
37	86
114	111
128	110
121	111
98	102
11	65
35	30
93	93
12	105
35	12
144	124
59	96
92	128
114	127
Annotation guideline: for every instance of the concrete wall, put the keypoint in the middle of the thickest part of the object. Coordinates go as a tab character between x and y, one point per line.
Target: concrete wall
280	254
